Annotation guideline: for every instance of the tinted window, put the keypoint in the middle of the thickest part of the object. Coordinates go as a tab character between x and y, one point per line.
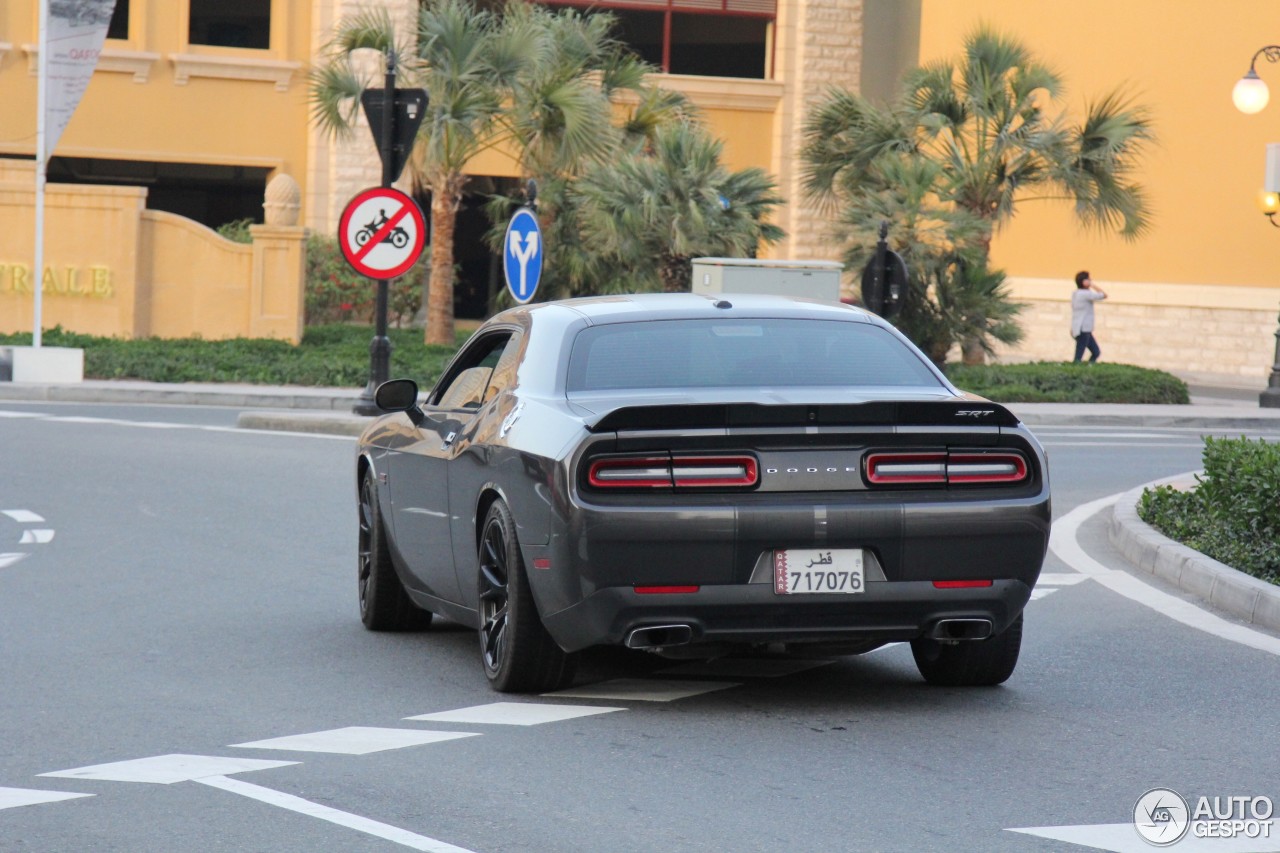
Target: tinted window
742	353
231	23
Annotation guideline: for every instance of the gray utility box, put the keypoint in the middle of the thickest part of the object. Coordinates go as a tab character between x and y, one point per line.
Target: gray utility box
809	279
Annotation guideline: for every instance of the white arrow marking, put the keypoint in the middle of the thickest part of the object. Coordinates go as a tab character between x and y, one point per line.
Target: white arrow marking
1123	838
22	516
36	537
7	560
523	255
167	769
350	821
11	798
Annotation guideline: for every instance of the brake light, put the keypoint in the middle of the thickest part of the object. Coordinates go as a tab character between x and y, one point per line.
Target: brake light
631	473
950	468
960	584
736	471
886	468
708	471
986	468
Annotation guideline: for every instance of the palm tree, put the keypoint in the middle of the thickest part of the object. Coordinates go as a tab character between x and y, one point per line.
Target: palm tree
647	214
984	123
531	79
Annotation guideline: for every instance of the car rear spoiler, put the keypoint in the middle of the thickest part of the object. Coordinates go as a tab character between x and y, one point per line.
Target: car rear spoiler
880	413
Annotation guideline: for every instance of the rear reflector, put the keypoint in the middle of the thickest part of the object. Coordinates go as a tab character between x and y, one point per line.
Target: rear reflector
937	468
664	472
960	584
542	562
665	590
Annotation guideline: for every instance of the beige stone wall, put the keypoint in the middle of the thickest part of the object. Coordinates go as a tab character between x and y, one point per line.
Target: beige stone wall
341	167
1220	331
819	44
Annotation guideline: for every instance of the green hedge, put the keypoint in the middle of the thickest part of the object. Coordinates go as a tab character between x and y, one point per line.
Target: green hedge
1067	382
332	356
1233	514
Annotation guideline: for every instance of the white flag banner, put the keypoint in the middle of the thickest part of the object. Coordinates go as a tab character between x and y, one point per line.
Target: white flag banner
73	39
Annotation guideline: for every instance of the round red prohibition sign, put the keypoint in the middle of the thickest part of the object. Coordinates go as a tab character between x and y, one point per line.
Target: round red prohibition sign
382	232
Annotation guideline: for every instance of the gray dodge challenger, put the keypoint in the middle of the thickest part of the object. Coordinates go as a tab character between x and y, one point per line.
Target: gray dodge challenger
696	475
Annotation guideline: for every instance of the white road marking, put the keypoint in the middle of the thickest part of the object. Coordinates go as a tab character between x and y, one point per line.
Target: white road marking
167	769
355	740
22	516
36	537
746	667
7	560
1064	543
1041	592
1060	578
21	415
375	828
80	419
515	714
643	690
1053	443
1123	838
12	798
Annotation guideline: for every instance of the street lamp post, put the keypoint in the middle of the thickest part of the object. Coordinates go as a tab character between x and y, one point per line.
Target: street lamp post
1250	95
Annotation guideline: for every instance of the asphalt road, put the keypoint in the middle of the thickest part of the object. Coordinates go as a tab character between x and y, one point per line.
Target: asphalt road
181	587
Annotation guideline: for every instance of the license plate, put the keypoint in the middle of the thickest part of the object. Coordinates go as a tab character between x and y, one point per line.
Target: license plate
822	571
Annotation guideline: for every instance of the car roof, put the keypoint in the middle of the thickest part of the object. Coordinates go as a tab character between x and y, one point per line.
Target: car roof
678	306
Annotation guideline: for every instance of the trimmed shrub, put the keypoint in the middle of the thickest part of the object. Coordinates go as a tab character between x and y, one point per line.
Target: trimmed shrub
1233	513
1067	382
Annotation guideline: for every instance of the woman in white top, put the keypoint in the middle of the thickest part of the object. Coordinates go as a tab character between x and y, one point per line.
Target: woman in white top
1082	301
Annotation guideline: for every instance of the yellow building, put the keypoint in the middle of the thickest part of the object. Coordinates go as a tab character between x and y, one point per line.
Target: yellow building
201	102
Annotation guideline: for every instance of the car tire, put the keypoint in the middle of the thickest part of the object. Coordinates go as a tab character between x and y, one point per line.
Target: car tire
384	604
980	663
518	654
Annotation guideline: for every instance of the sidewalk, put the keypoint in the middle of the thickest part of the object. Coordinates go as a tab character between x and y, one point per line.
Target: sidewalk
1213	407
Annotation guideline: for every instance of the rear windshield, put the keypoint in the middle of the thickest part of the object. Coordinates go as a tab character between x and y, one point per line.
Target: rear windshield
742	353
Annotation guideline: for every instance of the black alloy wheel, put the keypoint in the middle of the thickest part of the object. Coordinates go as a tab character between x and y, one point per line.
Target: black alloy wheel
970	663
384	605
519	655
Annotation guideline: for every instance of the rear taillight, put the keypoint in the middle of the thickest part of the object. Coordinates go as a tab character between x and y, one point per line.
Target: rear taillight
729	471
945	468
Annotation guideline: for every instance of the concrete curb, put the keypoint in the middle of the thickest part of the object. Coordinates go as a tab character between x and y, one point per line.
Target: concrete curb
312	422
1244	596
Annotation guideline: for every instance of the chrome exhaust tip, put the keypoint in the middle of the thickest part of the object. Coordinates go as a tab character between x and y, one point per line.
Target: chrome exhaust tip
659	636
954	630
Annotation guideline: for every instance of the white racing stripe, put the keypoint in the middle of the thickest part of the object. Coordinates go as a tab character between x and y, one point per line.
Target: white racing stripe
1064	543
375	828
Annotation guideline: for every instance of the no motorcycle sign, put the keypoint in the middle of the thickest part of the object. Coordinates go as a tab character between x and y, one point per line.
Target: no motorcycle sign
382	233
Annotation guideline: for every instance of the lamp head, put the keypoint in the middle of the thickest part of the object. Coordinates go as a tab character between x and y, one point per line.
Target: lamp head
1250	94
1269	202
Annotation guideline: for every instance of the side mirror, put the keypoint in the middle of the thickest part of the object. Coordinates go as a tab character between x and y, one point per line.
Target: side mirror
399	395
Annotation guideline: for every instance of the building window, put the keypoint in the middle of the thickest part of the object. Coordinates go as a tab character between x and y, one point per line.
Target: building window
119	26
713	38
231	23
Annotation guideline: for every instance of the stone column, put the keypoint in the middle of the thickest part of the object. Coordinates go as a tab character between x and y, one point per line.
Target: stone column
277	301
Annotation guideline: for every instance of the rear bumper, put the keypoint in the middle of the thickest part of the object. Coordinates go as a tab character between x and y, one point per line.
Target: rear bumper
754	613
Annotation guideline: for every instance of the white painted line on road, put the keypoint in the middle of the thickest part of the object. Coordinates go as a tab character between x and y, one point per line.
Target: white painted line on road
7	560
167	769
1060	578
22	516
36	537
1063	542
746	667
21	415
1121	444
643	690
166	425
375	828
1123	838
12	798
1041	592
355	740
515	713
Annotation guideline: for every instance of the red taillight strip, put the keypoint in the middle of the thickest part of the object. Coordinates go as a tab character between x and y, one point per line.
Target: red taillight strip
986	468
665	590
711	471
885	468
633	472
960	584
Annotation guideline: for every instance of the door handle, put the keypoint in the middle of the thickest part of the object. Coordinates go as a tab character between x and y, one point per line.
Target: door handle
448	440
